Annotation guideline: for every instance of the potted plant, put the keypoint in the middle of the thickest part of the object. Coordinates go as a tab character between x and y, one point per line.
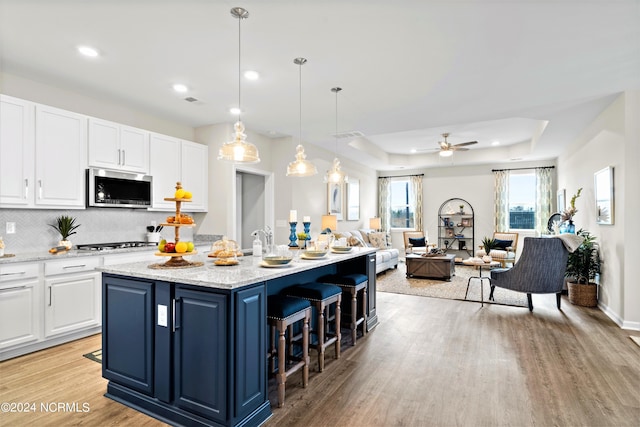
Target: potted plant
65	225
302	240
582	266
488	244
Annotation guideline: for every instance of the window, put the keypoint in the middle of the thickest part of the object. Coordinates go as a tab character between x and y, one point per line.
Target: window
402	208
522	200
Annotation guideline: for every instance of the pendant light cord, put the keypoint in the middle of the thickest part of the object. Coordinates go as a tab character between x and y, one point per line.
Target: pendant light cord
300	109
239	68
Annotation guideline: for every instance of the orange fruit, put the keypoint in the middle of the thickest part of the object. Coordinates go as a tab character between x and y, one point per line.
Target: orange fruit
181	247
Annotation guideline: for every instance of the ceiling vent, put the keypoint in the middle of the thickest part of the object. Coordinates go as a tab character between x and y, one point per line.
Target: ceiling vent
190	99
349	134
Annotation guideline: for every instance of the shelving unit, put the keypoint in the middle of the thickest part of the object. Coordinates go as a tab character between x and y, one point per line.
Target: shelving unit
176	259
455	228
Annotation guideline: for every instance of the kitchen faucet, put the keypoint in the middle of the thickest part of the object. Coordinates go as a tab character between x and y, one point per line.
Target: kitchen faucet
267	233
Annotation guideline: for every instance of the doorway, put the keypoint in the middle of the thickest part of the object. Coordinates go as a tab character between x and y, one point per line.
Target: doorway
253	204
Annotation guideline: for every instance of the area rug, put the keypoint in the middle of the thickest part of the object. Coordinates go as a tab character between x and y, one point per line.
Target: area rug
395	281
96	356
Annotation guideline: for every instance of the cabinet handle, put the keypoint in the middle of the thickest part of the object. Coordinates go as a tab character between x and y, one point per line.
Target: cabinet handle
74	266
13	288
14	274
119	162
124	161
174	327
39	189
49	296
26	188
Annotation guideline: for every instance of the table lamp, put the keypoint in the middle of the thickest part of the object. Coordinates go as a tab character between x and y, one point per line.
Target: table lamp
375	223
329	221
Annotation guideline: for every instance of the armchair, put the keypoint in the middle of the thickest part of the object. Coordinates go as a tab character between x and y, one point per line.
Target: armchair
540	269
505	255
411	237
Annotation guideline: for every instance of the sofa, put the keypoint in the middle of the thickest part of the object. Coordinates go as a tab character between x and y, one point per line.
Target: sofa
386	256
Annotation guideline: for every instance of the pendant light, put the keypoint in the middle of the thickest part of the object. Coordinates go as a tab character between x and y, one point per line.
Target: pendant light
301	166
239	150
335	175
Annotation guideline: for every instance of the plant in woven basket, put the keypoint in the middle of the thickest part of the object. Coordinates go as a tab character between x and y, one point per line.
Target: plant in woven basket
584	262
582	266
489	243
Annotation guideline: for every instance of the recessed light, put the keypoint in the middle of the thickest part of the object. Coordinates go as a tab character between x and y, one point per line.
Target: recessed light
88	51
179	87
235	111
251	75
494	143
413	151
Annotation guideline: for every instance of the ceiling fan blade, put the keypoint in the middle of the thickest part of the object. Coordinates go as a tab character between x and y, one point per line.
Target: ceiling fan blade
462	144
444	145
458	148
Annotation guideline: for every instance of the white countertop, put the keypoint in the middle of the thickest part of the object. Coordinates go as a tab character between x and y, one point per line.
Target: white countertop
46	256
247	272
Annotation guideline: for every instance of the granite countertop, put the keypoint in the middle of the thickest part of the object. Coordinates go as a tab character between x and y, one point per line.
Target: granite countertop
44	255
247	272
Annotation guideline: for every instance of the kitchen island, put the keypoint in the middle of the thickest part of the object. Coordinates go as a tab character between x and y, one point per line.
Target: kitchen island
189	345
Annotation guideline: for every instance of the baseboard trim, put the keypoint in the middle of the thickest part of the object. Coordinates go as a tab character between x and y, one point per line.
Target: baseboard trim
624	324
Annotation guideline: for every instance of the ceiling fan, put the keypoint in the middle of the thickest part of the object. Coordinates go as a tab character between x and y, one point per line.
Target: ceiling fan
447	149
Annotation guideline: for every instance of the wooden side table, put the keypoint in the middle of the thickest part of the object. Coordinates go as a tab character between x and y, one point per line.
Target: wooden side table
479	264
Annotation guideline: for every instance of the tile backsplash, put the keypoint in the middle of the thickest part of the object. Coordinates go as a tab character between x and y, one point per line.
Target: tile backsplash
97	225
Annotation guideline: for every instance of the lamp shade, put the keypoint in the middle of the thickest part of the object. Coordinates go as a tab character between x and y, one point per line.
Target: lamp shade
239	150
329	221
375	223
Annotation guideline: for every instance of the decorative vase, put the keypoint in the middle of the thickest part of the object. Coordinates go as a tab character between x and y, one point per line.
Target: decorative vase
66	243
302	243
571	228
487	258
584	295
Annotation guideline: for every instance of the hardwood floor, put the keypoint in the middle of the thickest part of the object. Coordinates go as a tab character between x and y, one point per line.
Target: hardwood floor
430	362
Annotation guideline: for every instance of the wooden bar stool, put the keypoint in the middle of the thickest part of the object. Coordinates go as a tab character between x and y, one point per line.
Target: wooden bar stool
321	296
351	284
282	313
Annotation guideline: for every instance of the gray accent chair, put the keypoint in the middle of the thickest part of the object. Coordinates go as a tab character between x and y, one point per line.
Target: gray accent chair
539	270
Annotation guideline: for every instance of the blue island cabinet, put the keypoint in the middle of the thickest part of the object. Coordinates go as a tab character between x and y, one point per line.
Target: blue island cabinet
187	355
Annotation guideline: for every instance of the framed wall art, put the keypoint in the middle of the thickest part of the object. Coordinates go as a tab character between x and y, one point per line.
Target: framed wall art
335	199
603	184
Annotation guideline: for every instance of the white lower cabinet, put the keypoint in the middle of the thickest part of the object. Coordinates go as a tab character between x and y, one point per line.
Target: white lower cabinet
72	303
72	295
20	305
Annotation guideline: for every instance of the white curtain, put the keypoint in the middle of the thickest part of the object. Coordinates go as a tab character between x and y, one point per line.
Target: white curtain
416	194
501	200
384	202
544	198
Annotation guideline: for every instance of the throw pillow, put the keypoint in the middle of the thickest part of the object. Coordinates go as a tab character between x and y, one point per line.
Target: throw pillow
503	244
417	242
354	241
378	240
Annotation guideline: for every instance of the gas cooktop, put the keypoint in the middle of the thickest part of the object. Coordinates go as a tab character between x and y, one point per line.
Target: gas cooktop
117	245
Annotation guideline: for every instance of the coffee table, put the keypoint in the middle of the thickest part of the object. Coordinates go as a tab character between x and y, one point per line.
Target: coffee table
431	267
489	265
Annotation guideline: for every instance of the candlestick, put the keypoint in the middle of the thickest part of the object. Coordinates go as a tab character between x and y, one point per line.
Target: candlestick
293	216
307	226
292	236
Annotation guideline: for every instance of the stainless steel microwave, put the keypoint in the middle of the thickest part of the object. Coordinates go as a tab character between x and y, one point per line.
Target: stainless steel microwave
115	189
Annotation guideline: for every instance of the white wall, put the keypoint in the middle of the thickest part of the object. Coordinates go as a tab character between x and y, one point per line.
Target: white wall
611	140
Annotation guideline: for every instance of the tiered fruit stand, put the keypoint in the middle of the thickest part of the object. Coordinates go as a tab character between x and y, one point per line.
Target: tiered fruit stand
176	259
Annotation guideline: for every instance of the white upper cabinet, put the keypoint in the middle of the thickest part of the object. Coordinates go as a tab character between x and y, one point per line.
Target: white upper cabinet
195	173
16	151
174	160
118	147
61	141
42	156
